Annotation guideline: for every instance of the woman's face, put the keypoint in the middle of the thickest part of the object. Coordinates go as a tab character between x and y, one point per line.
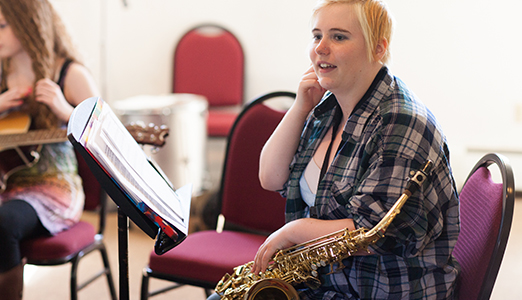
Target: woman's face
9	43
338	50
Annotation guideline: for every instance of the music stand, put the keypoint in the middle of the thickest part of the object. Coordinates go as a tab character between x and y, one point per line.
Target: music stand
126	208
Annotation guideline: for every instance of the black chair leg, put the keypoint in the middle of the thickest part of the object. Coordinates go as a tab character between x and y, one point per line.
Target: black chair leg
145	286
74	278
208	292
108	272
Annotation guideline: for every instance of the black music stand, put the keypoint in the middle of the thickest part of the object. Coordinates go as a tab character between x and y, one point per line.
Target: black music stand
126	208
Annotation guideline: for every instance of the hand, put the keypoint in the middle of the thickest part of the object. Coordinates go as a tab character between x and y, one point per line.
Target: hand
297	232
275	242
309	92
13	97
50	93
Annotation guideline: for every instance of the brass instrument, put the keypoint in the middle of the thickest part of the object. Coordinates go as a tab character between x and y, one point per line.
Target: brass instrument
300	263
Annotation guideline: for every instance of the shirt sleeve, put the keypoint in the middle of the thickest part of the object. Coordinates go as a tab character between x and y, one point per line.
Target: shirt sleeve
418	222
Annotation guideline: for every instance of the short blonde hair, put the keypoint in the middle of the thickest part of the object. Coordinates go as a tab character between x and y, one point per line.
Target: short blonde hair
375	20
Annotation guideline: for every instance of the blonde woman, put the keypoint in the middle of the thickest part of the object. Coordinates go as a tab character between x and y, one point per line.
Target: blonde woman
40	76
342	156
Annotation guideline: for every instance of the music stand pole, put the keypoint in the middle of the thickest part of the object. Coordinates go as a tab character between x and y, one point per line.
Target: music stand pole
123	254
127	210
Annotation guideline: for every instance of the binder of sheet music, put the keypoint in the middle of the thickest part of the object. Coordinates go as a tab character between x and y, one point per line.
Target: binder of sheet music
114	148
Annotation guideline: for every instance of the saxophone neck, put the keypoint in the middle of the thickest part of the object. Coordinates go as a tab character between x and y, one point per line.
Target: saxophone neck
414	183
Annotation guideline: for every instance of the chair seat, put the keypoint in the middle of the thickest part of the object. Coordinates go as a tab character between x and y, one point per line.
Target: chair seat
61	245
219	123
208	263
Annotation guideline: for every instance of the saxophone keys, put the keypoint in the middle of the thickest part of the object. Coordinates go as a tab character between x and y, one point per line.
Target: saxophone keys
239	270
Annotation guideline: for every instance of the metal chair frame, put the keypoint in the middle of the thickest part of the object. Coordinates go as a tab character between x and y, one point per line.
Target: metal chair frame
180	281
508	202
74	258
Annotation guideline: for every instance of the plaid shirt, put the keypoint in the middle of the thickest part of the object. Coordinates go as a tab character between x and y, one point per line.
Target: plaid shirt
389	134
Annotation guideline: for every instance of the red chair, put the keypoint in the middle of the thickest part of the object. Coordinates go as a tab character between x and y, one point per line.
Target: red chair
251	212
486	213
208	61
71	245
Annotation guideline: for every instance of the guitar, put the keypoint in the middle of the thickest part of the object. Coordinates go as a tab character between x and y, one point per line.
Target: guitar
20	148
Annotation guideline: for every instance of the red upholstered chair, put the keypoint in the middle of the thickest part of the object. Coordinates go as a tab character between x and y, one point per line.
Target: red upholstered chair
249	211
208	61
72	245
486	212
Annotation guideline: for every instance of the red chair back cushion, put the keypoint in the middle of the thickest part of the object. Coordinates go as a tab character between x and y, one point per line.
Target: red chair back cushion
91	186
480	215
244	201
208	61
219	123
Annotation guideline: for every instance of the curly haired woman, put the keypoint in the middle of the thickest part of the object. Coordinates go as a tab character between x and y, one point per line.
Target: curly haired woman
42	77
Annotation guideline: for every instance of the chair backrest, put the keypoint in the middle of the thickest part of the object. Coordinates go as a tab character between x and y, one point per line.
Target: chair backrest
243	201
208	61
95	196
486	213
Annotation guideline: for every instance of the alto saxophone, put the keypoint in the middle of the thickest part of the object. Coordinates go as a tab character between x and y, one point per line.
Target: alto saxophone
300	263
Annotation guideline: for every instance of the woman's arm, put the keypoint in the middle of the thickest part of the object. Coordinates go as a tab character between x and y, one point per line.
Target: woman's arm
79	85
296	232
279	150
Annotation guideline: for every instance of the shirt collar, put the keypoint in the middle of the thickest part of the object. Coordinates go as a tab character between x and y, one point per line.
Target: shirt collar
363	109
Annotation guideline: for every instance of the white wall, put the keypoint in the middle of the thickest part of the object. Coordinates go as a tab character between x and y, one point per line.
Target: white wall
460	57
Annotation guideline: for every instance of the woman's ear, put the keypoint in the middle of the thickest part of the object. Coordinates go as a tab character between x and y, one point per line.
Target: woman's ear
381	49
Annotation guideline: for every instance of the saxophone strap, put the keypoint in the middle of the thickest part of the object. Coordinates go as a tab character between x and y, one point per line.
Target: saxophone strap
336	122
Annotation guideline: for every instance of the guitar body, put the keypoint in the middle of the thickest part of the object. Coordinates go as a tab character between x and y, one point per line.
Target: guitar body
14	122
15	159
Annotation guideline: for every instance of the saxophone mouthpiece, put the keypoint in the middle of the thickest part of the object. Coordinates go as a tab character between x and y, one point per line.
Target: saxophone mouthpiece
428	165
416	181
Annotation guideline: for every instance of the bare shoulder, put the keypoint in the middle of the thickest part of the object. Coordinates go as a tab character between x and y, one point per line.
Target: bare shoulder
79	84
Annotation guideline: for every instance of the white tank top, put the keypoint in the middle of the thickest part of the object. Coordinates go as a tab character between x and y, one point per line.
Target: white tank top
309	181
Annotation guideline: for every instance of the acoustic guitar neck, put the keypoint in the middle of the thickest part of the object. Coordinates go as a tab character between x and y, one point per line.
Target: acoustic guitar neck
33	137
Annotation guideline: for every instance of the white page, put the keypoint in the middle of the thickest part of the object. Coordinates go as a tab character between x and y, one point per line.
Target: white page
123	158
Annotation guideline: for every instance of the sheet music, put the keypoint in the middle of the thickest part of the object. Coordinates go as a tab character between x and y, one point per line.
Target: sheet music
119	153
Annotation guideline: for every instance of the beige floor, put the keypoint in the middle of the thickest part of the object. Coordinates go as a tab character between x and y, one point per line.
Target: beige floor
52	282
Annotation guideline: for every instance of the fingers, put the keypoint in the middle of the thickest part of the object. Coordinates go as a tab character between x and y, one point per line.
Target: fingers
18	93
259	264
45	87
310	91
26	92
48	92
13	97
263	256
277	240
313	80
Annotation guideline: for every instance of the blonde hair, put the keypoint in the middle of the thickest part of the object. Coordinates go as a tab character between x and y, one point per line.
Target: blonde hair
42	35
375	20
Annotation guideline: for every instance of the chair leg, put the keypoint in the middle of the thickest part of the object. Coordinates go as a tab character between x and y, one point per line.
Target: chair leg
208	292
74	278
108	272
145	286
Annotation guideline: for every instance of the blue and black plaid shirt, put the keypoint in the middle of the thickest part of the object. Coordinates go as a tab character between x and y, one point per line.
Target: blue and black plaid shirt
389	134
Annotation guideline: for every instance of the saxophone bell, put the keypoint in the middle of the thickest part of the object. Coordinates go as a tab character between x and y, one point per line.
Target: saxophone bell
271	289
